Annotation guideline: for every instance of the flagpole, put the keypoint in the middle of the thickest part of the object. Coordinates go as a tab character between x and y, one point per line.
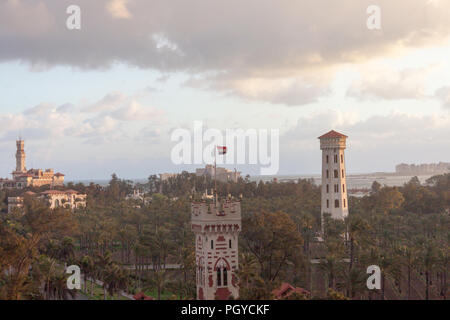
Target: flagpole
215	176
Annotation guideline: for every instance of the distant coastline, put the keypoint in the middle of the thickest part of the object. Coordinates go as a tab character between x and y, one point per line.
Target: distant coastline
355	181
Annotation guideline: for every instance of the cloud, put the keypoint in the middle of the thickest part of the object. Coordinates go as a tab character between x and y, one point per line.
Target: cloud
282	43
290	91
377	143
24	19
121	107
443	94
108	119
66	108
109	102
379	82
378	129
134	111
118	9
40	109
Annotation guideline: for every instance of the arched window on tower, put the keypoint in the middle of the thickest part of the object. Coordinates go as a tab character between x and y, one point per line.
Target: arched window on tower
219	277
222	274
225	277
336	203
342	158
336	174
328	160
328	174
328	188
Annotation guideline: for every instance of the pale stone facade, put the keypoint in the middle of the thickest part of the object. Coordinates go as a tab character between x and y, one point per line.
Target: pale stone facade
222	174
69	199
424	168
216	232
14	202
167	176
334	185
23	178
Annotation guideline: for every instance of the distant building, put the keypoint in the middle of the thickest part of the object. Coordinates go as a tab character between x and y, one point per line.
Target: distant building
22	178
334	193
167	176
216	230
222	174
422	169
69	199
138	196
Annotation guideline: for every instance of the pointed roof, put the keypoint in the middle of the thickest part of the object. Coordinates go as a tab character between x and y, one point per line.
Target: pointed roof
332	135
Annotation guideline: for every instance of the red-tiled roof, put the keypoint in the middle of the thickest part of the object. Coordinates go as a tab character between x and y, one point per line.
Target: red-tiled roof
141	296
59	191
59	174
53	192
285	290
332	135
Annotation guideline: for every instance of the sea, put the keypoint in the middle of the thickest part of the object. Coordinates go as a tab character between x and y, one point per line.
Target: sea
354	181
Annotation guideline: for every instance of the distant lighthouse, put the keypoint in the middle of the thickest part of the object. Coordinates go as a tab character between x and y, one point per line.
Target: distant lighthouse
334	186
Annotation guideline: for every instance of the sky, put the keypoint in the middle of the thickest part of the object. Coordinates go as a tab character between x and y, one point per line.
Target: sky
106	97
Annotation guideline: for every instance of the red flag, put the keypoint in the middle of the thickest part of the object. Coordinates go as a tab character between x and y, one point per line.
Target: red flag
222	150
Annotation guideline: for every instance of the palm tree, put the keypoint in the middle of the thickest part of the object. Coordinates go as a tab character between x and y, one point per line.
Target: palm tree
385	265
58	287
247	272
116	279
87	265
101	270
160	281
410	258
428	259
66	250
356	228
442	261
331	266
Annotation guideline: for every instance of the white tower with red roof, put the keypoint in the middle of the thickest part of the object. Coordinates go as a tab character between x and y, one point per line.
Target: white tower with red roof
216	228
334	186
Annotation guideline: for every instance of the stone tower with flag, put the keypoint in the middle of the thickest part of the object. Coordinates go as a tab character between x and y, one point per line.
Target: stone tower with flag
216	226
334	186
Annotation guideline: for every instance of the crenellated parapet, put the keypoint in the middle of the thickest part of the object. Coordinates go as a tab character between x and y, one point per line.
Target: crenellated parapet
223	217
